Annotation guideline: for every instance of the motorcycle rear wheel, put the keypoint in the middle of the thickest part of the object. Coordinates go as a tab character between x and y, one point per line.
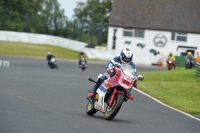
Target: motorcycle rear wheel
113	109
90	110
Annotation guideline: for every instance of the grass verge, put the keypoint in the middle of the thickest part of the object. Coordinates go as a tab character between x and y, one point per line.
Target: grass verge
38	50
178	88
27	49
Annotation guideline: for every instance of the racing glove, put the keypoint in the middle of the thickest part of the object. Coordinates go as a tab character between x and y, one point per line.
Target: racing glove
118	65
111	69
140	77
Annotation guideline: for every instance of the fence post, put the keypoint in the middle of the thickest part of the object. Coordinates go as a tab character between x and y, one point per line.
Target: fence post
74	29
100	34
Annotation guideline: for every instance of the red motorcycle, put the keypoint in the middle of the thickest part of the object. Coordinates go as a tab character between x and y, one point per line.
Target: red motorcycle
170	63
113	92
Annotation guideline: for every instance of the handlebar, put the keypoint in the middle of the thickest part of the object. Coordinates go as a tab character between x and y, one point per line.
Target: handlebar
91	80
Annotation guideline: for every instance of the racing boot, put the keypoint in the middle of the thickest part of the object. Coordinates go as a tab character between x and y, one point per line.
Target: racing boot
91	94
131	97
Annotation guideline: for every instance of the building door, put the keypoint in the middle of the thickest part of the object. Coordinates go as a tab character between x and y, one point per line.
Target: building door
183	50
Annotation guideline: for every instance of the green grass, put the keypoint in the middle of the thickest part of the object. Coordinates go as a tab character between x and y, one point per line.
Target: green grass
27	49
38	50
178	88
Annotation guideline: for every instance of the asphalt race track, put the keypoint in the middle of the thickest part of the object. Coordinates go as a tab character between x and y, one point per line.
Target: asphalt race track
36	99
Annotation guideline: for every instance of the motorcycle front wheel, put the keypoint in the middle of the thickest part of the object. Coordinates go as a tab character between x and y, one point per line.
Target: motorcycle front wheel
90	110
187	66
113	109
169	67
83	68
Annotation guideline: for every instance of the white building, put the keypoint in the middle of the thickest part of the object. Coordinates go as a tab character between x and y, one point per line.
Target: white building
154	28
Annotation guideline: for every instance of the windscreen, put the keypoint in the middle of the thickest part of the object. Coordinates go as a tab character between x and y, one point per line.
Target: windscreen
127	68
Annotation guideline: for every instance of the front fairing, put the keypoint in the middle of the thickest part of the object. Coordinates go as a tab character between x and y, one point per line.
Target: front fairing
83	61
53	61
124	77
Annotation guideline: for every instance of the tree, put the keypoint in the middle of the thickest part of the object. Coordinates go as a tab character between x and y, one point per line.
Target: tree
35	16
46	17
93	14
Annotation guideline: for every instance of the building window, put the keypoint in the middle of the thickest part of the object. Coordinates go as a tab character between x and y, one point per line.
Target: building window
136	33
127	33
139	33
179	36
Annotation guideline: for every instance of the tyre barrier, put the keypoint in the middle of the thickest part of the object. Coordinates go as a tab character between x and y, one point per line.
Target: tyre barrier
198	70
180	61
4	63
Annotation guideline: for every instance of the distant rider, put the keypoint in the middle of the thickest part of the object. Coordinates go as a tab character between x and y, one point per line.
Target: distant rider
82	55
191	58
198	58
124	58
172	57
49	57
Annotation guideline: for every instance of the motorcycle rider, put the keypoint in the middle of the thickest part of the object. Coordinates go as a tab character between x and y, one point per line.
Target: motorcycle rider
172	57
49	57
198	58
124	58
82	55
191	58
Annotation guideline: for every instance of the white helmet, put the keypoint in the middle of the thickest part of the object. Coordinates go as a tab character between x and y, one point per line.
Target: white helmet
126	55
49	53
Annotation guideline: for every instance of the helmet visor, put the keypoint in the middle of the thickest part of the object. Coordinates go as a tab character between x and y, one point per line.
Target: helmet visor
127	60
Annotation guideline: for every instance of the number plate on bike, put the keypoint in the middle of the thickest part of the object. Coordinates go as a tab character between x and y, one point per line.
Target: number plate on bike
126	82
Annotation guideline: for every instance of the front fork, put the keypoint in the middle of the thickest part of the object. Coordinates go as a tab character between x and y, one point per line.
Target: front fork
115	91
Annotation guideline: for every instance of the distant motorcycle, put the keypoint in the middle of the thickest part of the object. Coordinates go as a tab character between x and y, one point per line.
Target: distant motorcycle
53	63
189	64
170	63
83	63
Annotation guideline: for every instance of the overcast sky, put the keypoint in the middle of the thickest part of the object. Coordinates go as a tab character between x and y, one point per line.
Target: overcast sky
68	6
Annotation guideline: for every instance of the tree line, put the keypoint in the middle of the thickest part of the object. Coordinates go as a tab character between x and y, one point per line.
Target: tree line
89	23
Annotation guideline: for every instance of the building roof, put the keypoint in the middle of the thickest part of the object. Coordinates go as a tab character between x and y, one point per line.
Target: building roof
168	15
